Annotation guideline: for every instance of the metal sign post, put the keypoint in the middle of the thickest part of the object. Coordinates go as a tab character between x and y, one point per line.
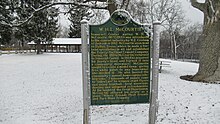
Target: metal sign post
119	64
155	74
85	71
0	45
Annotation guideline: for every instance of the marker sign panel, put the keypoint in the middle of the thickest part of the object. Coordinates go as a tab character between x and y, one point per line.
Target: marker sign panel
119	62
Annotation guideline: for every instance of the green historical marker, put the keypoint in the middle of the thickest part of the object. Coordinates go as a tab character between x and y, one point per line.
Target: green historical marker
119	61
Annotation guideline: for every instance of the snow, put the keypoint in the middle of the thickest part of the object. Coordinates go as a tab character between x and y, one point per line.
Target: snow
66	41
47	89
63	41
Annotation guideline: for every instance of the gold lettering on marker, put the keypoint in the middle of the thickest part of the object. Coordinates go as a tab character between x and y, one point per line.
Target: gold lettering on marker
119	64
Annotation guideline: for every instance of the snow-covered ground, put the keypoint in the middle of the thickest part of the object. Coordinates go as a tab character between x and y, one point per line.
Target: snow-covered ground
47	89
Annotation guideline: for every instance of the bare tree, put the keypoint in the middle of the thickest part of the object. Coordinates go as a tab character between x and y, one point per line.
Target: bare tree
171	15
139	10
157	9
209	67
190	44
174	21
99	16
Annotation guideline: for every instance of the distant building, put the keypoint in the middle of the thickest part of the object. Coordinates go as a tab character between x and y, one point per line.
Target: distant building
60	45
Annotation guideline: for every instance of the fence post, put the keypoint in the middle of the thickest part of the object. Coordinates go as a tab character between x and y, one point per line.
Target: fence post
155	74
85	70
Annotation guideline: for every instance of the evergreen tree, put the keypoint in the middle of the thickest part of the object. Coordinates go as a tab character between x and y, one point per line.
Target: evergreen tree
52	23
76	15
43	26
22	12
6	16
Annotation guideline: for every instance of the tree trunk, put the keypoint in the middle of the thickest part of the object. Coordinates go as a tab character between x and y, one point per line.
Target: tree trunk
171	46
38	47
175	47
111	6
209	67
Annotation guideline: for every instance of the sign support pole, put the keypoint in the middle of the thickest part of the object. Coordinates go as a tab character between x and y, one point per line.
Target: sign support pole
0	46
155	74
85	71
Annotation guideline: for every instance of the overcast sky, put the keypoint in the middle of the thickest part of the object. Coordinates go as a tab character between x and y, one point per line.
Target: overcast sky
192	14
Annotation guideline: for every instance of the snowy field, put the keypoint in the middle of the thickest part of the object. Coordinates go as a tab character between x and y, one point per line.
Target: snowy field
47	89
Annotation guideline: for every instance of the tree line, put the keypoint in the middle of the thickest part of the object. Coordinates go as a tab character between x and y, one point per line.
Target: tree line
30	20
44	26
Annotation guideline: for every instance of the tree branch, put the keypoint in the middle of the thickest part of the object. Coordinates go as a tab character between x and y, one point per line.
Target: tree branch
124	4
20	23
200	6
94	0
